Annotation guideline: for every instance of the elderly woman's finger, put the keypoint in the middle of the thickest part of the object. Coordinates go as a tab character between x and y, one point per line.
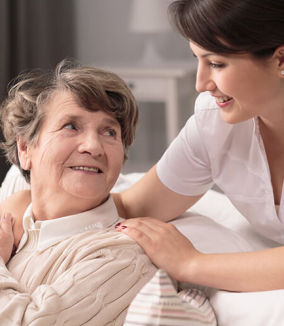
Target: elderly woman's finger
7	223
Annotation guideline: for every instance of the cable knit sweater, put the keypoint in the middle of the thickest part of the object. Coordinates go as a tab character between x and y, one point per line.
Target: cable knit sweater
75	270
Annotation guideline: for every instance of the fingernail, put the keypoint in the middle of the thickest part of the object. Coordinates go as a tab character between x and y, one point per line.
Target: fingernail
117	225
123	227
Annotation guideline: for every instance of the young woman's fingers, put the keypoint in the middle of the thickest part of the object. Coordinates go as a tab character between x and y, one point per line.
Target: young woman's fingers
152	235
137	230
162	242
145	224
146	231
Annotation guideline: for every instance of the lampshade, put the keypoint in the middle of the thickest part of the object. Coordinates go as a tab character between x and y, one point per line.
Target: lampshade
149	16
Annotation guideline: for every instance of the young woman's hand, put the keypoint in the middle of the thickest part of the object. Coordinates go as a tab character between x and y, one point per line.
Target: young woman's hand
164	244
6	237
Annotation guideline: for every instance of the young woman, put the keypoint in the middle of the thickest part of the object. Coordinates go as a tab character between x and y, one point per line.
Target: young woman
235	139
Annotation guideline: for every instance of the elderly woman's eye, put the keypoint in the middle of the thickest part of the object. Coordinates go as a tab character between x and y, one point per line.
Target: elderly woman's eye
69	126
110	132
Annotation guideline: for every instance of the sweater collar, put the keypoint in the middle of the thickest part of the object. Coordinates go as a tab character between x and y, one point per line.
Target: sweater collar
56	230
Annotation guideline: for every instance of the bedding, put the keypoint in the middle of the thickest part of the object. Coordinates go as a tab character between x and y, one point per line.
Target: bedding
213	225
158	303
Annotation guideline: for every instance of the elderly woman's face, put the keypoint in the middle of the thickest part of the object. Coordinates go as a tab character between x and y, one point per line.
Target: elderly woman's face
79	153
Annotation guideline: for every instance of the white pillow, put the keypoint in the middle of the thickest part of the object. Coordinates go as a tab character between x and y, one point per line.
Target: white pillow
219	208
13	182
209	236
248	309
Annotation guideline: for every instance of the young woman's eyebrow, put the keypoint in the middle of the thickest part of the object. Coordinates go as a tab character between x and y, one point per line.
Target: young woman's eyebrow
205	55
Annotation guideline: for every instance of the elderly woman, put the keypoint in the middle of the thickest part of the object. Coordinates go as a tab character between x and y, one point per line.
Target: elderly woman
68	132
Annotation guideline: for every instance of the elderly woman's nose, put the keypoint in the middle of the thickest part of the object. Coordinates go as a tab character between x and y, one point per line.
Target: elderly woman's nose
91	143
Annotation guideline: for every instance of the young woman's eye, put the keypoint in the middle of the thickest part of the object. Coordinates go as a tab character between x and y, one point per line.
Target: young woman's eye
216	65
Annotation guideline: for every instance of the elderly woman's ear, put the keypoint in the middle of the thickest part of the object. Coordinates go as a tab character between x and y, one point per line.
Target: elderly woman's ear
24	154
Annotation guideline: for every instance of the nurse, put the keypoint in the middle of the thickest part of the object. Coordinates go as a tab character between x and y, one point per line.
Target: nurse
235	139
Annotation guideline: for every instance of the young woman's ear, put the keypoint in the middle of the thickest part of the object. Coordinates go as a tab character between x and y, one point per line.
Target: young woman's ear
279	56
23	154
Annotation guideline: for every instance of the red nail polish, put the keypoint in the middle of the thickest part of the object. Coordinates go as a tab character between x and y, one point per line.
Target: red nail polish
123	227
117	225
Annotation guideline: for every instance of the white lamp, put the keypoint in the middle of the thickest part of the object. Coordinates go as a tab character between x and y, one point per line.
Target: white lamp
149	17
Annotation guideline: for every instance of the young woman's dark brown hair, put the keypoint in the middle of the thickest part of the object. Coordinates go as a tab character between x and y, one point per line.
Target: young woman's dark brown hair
229	26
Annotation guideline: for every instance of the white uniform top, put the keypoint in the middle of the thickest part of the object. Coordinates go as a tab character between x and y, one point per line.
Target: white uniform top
209	150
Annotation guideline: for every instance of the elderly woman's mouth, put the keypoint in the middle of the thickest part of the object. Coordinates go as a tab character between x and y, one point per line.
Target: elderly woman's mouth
86	168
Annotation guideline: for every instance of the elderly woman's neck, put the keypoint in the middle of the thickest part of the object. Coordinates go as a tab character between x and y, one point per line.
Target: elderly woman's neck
56	206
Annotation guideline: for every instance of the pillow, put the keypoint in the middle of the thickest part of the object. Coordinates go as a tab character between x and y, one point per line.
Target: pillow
248	308
158	303
209	236
13	182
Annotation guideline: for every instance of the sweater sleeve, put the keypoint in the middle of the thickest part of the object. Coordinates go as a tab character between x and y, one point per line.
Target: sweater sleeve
95	290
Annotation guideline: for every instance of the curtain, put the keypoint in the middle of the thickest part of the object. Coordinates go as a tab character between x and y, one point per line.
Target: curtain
33	34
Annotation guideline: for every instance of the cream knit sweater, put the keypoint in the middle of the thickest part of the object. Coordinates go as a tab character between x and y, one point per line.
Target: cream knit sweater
62	276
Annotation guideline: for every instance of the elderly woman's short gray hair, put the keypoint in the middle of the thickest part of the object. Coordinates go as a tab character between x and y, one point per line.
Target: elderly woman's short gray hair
22	113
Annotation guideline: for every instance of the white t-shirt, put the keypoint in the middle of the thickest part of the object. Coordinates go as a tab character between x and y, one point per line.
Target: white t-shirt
209	150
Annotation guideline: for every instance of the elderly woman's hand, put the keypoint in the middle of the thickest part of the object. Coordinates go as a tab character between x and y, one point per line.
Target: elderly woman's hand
164	244
14	206
6	237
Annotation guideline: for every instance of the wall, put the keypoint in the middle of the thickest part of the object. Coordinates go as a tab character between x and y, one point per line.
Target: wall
103	37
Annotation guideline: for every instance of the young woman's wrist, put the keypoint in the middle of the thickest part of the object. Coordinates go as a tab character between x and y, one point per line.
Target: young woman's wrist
191	269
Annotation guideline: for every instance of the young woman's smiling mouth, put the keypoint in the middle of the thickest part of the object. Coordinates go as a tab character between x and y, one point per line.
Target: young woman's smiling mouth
223	101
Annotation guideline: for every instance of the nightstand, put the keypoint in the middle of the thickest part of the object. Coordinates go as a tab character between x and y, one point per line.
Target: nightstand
170	84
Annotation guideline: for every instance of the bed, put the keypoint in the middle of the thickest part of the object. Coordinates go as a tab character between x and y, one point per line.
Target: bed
213	225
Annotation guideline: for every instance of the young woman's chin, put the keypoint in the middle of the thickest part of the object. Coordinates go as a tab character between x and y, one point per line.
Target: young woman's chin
231	118
233	114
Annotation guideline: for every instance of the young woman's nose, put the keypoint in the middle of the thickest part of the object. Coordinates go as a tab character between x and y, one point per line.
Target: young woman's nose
91	143
204	82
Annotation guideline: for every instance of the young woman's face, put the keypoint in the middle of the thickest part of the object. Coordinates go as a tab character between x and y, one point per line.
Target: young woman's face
242	86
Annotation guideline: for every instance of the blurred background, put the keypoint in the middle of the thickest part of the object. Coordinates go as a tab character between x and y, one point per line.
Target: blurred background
130	37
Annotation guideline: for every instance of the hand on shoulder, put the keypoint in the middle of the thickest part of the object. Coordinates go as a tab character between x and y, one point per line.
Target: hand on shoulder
6	237
167	248
16	205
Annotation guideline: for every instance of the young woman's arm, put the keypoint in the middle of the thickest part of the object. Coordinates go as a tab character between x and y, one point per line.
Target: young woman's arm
171	251
150	197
